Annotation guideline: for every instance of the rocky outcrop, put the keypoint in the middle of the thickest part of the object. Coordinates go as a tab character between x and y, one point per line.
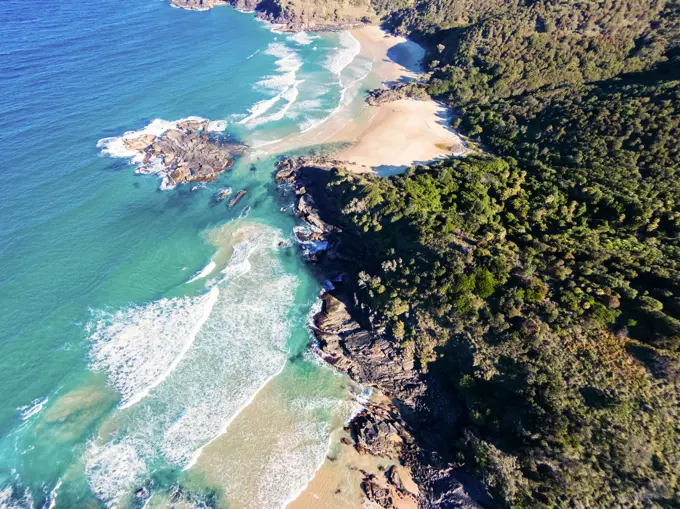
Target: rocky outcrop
288	19
367	357
236	198
184	153
388	94
197	5
348	341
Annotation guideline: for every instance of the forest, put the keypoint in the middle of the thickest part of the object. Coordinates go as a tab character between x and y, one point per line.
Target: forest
539	280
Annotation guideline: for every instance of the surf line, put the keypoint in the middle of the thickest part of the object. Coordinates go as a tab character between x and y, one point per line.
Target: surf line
212	298
197	454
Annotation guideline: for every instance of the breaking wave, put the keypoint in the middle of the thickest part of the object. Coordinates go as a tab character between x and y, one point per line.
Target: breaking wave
204	272
28	411
349	48
240	346
285	83
303	38
140	346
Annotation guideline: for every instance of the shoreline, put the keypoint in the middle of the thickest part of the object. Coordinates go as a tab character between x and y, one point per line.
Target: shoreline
395	136
390	137
362	464
400	133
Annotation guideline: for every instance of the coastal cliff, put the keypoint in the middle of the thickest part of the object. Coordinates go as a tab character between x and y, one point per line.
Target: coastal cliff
298	15
348	341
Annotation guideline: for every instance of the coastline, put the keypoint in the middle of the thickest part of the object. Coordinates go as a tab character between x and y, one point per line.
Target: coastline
386	139
401	133
390	137
373	461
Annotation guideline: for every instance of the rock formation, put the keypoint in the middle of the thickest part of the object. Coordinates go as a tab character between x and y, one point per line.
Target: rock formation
347	340
197	5
236	198
185	153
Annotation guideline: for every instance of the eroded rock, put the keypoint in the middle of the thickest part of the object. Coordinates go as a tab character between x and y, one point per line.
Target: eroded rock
184	153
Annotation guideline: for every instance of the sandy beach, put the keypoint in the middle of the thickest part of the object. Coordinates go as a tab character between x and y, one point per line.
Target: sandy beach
337	483
401	133
389	138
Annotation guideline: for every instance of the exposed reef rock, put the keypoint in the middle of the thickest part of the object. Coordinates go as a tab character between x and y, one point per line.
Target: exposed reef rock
198	5
236	198
185	153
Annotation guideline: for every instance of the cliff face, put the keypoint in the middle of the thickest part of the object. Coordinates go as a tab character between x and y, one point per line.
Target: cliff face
297	15
408	427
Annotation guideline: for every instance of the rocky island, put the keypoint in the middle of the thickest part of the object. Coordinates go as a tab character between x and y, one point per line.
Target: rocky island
183	153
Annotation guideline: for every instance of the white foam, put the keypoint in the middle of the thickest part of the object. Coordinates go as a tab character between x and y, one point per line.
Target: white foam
280	82
303	38
112	469
27	411
308	105
253	54
8	499
260	108
204	272
349	48
290	96
263	143
139	347
197	454
53	495
241	346
285	83
309	246
115	146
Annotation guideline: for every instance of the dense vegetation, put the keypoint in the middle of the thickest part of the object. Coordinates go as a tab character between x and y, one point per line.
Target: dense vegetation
515	47
466	265
540	283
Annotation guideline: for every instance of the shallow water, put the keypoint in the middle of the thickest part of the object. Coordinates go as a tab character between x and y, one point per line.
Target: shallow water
153	343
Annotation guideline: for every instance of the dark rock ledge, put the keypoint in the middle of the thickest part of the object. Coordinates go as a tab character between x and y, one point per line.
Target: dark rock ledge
347	340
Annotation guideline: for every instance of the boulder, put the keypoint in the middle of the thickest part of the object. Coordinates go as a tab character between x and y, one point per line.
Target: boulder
140	143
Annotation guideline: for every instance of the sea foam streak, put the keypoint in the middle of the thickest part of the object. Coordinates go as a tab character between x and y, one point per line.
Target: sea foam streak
285	83
35	406
204	272
239	348
139	347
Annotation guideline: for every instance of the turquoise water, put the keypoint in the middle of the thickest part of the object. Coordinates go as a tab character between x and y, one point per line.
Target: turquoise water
137	324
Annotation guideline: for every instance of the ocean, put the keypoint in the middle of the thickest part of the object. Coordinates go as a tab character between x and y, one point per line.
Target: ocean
154	344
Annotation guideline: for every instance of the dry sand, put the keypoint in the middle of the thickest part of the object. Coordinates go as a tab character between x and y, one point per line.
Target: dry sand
402	133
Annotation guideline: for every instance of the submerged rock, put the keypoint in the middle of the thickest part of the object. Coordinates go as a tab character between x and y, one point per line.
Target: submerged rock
223	193
236	198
